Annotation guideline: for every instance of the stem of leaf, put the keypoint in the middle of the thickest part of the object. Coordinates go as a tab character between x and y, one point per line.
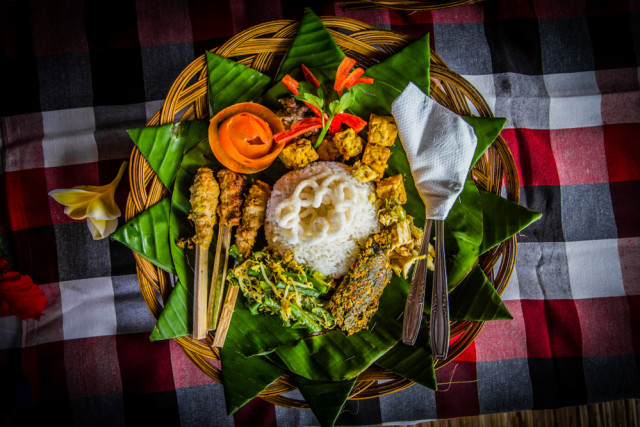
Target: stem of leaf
325	128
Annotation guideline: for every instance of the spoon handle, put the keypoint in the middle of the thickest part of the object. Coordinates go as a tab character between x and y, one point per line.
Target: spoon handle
414	307
440	299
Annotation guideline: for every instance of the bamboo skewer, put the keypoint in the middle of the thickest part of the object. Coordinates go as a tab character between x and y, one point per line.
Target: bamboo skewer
200	288
203	200
218	276
225	316
232	186
253	213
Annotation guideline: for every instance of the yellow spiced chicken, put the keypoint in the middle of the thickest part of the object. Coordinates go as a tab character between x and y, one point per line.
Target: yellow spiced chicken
383	130
348	143
392	188
381	134
298	154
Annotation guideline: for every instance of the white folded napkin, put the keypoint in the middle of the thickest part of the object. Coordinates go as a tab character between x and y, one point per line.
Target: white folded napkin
439	145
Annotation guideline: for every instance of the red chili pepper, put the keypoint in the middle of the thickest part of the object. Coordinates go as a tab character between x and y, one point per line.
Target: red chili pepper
343	70
299	128
335	125
367	80
306	122
291	83
350	80
354	122
314	109
308	75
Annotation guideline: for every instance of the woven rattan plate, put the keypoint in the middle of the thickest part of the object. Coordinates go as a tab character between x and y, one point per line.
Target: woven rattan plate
262	47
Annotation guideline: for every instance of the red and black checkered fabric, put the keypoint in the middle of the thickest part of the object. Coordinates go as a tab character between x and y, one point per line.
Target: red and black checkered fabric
76	74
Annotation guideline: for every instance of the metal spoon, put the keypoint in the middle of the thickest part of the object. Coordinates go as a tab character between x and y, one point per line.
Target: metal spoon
440	299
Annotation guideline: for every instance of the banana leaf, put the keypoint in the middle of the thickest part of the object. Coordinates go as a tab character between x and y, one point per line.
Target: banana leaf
486	304
148	235
411	64
231	83
412	362
487	130
163	146
326	398
261	334
463	233
244	377
313	46
502	219
171	322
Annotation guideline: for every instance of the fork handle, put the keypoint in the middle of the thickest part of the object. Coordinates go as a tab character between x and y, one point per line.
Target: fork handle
414	307
440	332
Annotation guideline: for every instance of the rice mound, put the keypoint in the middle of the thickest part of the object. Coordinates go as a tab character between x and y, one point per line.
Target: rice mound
323	215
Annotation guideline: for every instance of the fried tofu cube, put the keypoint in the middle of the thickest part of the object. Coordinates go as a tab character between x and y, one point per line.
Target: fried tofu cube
364	172
348	143
298	154
327	151
376	157
383	130
392	188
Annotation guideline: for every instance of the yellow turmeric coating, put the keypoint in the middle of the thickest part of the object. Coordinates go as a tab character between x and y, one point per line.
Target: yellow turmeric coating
204	200
327	151
383	130
376	156
356	299
298	154
392	188
348	143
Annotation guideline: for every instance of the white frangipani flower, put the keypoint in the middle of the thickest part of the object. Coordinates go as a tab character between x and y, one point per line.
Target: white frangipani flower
94	203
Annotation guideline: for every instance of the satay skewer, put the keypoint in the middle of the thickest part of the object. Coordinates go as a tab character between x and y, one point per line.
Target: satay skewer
253	213
232	186
204	201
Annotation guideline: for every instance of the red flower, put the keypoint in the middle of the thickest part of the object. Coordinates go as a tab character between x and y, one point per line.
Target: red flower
19	296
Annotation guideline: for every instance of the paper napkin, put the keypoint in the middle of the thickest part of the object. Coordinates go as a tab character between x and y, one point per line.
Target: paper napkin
439	145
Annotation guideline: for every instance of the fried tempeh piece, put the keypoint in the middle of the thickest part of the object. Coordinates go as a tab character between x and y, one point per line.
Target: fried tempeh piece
253	213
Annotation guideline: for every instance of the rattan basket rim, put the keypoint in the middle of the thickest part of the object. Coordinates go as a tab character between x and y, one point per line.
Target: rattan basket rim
403	5
186	100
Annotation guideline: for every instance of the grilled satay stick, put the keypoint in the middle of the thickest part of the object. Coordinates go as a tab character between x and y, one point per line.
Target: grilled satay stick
253	212
232	186
204	201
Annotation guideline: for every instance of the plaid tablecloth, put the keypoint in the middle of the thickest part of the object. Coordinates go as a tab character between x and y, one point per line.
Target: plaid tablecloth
76	75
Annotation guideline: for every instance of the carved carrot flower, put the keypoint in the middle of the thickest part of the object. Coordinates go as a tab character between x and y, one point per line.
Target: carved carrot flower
94	203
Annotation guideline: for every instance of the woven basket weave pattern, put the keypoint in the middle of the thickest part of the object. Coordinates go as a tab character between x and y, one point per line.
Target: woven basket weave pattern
262	47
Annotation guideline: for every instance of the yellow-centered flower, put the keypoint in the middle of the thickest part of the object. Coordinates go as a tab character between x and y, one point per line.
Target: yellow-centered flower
94	203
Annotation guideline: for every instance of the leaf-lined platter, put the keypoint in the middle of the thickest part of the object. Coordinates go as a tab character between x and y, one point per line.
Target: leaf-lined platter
259	350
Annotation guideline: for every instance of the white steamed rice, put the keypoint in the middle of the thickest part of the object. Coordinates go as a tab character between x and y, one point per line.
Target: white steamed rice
323	215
